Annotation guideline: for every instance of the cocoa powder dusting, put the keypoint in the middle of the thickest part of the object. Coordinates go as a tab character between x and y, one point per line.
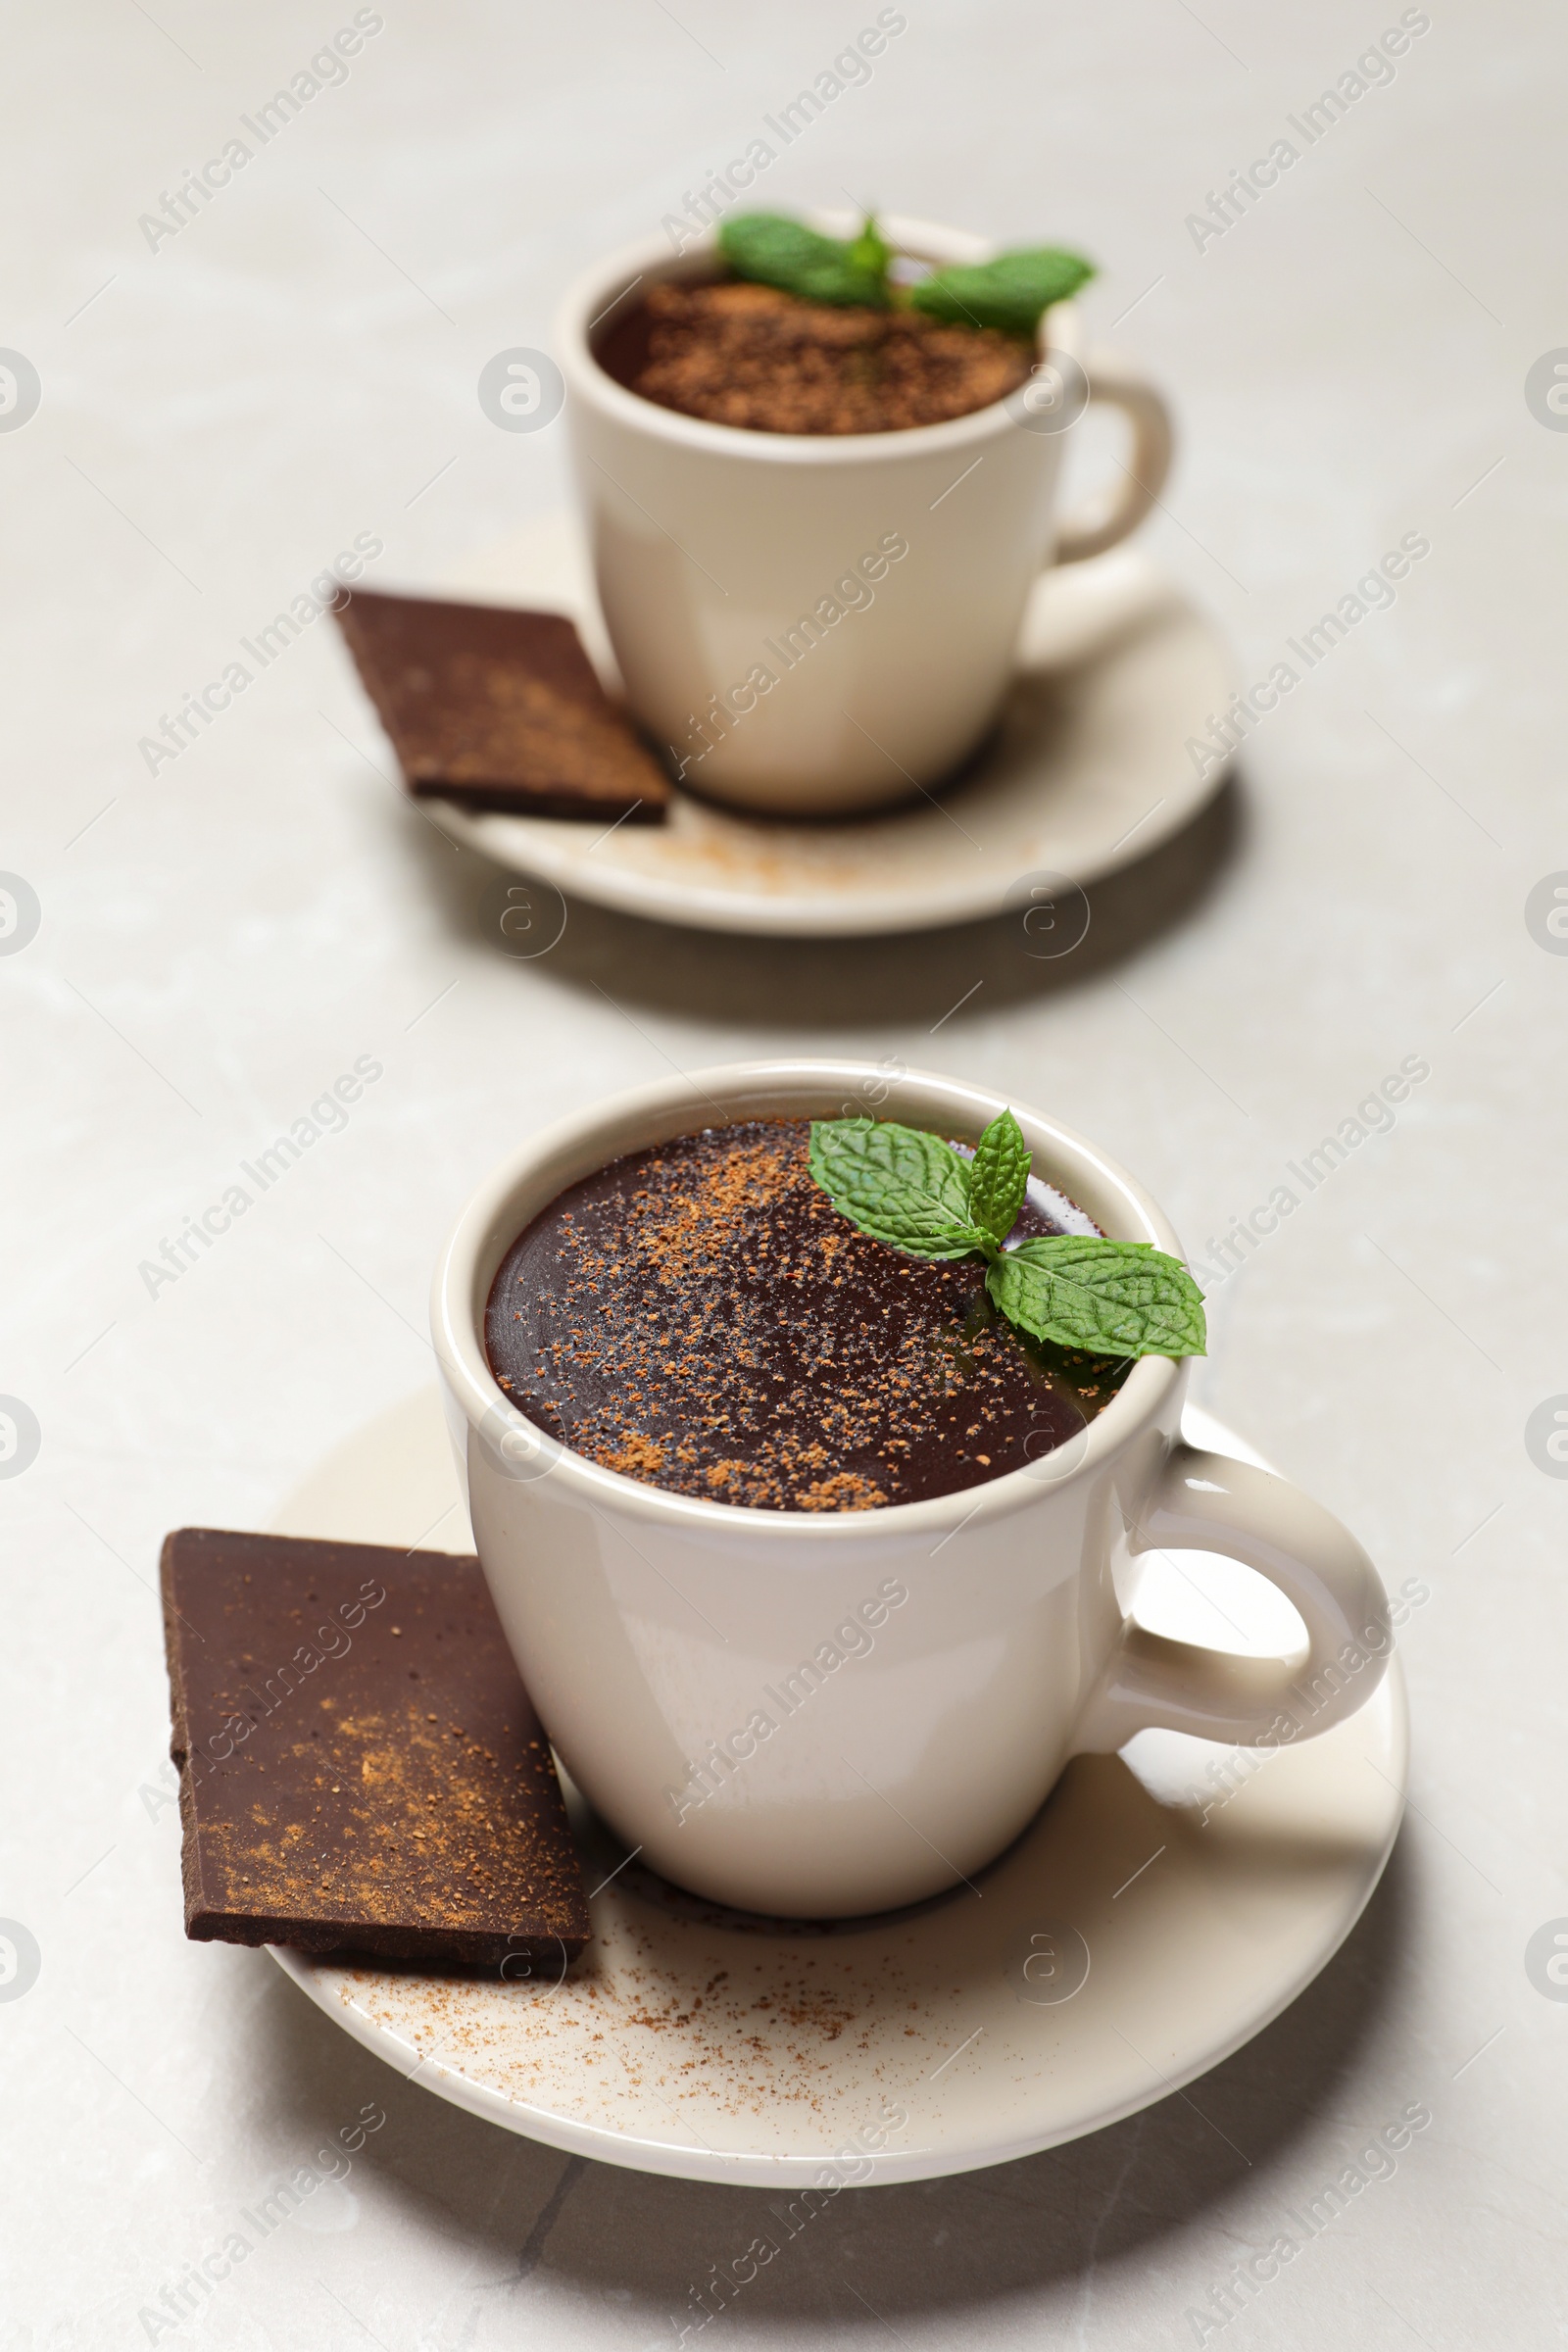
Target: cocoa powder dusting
752	355
700	1317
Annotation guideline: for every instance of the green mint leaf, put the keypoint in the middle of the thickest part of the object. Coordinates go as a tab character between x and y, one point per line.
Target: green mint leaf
775	251
997	1175
898	1185
1107	1298
1009	293
871	250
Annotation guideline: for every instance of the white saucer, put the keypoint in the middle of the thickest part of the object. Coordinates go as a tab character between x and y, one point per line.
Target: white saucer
716	2046
1088	772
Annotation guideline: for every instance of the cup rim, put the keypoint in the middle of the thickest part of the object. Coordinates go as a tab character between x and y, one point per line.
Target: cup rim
598	290
535	1172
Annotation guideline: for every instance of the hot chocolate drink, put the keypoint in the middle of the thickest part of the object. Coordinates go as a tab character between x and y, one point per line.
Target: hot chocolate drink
701	1317
752	355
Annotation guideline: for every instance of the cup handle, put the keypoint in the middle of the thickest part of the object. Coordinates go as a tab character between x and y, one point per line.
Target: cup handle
1212	1503
1110	515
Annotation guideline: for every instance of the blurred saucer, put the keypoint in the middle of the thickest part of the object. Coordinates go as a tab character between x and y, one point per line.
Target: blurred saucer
1160	1911
1087	771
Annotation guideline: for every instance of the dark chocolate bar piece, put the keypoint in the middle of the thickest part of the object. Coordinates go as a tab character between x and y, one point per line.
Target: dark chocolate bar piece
360	1767
498	709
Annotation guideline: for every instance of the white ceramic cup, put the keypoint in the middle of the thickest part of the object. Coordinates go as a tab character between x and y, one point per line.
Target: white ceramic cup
725	558
820	1715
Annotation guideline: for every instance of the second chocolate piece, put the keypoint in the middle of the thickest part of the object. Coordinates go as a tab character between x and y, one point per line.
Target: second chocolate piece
500	709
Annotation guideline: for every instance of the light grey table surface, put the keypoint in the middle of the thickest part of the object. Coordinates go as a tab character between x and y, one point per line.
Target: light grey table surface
226	409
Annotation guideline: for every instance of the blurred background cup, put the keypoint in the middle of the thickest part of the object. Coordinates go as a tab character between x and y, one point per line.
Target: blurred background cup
877	580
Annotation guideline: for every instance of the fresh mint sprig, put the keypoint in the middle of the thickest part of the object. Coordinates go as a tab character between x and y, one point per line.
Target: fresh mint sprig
918	1194
775	251
1009	293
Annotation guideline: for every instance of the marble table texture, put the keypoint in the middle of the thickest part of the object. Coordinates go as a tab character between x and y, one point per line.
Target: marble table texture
224	406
